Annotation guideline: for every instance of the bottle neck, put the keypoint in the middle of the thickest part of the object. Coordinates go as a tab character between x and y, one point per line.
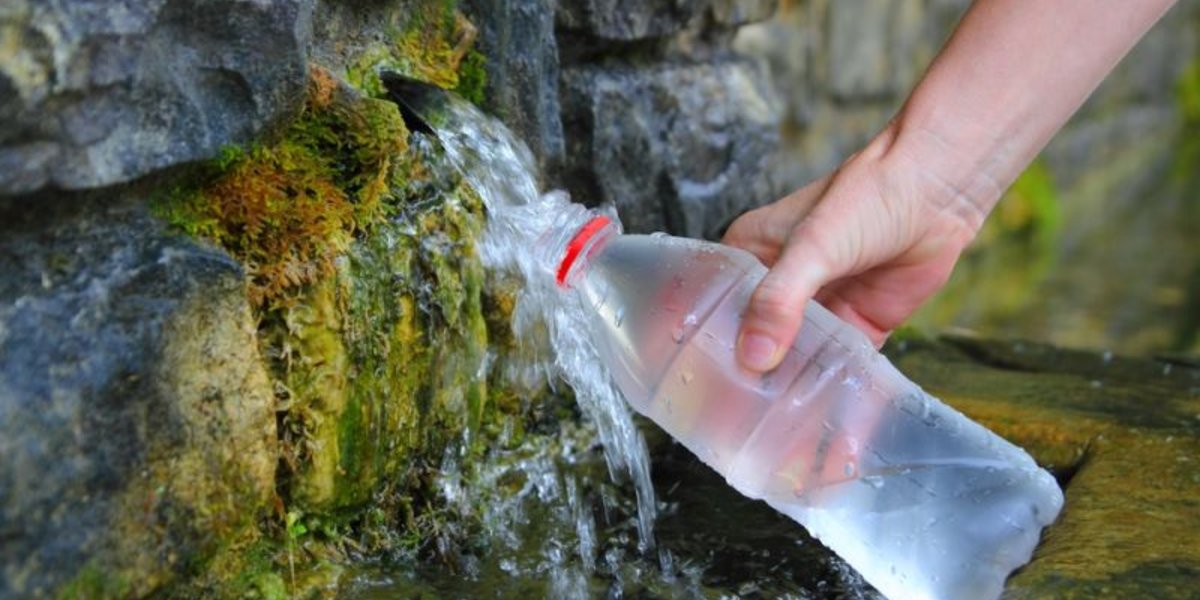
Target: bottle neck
589	238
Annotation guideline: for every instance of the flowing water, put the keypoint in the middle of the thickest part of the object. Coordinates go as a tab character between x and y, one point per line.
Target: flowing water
520	221
571	513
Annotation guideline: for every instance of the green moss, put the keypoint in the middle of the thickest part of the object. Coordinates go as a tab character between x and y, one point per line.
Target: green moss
286	209
433	44
472	78
369	297
1187	90
94	583
1016	249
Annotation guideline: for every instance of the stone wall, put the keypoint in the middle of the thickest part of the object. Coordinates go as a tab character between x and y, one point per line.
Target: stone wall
237	307
644	105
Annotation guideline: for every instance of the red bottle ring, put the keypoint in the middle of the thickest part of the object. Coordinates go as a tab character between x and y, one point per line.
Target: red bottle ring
576	245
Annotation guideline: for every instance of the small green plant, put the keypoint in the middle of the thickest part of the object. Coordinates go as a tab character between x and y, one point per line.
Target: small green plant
296	530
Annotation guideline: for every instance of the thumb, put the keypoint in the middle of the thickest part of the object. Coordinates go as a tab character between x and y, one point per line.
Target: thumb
776	309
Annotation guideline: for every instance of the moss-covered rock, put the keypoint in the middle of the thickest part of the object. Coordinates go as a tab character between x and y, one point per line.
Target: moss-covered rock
139	436
1122	435
359	250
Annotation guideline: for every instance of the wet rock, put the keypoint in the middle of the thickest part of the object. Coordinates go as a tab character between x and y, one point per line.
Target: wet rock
678	147
137	421
1121	434
97	92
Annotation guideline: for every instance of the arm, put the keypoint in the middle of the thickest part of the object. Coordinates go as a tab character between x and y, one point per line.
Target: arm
877	237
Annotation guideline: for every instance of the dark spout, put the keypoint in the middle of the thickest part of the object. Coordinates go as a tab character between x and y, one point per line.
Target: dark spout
419	101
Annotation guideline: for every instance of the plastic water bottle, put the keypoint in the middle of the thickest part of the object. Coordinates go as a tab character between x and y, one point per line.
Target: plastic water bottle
922	501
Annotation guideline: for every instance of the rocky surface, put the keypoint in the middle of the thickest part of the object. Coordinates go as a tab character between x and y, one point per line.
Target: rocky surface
638	104
1123	437
96	92
677	147
522	84
137	419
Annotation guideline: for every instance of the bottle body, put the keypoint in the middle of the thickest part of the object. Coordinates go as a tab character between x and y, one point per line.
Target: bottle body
918	498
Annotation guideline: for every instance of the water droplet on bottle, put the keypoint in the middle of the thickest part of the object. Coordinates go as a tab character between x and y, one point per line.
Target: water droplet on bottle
677	334
686	377
874	481
619	317
1167	369
690	319
1107	357
848	470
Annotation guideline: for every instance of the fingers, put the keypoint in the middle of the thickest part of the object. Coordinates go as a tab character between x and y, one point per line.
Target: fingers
765	231
776	308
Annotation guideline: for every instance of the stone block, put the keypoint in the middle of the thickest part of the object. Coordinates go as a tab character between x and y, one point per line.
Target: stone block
137	421
871	48
628	20
96	92
785	45
676	147
522	67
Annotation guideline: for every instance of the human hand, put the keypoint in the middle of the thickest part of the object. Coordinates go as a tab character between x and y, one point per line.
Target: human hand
870	242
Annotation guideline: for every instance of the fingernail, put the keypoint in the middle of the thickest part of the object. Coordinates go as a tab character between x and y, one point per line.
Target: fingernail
757	351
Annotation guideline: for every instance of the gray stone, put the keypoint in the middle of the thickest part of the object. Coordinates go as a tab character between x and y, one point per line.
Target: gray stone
676	147
785	46
137	425
517	37
96	92
627	20
871	48
741	12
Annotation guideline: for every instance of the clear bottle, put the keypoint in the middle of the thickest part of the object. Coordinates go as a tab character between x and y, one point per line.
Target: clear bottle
922	501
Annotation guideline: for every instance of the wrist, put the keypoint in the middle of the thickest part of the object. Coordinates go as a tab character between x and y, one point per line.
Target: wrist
955	169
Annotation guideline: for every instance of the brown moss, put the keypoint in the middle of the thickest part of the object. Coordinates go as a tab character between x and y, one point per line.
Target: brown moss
285	210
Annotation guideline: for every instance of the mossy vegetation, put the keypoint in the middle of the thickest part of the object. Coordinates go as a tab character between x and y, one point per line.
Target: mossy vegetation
286	209
1017	247
369	300
433	44
1187	90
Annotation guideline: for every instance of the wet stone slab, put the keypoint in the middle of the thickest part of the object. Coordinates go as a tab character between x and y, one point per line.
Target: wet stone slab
1120	434
1123	437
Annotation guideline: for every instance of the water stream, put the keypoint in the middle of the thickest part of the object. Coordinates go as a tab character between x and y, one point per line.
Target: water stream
501	169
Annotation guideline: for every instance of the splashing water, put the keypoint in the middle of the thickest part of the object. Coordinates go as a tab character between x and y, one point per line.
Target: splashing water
501	169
